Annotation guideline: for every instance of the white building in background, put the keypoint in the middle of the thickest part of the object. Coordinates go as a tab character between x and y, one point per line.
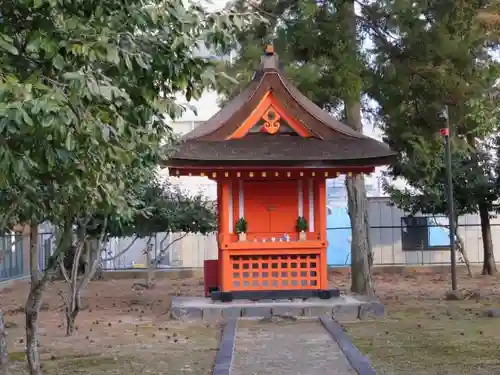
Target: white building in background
192	184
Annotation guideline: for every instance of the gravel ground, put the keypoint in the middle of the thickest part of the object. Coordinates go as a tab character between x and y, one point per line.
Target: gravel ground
122	331
301	347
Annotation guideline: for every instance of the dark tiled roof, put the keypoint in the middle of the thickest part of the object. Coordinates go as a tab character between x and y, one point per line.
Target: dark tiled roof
333	142
270	78
224	114
284	149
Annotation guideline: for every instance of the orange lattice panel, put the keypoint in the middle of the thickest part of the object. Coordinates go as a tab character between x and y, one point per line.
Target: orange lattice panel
275	272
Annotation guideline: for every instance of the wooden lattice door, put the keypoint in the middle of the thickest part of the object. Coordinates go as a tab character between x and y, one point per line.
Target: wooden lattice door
275	272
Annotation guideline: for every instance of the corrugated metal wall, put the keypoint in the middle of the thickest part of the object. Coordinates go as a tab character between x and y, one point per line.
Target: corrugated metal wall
168	250
386	236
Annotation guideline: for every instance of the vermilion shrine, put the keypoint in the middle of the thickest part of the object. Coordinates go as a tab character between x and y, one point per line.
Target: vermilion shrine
270	150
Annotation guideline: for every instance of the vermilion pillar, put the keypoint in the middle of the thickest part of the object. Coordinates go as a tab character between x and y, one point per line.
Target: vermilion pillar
321	210
224	232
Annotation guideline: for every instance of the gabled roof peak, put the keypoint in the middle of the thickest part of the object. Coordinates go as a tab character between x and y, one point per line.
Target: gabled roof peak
270	78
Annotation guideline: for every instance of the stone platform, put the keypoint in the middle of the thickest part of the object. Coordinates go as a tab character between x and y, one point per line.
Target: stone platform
343	309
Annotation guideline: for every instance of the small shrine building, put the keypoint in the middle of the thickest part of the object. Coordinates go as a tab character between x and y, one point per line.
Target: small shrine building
270	150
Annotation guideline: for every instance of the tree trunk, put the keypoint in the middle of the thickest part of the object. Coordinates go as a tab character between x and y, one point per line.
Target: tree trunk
94	257
361	257
460	246
150	280
73	306
367	226
32	314
35	273
489	266
463	251
33	304
357	203
72	311
4	353
459	243
77	284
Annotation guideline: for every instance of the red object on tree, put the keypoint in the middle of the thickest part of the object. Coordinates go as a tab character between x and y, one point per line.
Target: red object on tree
210	275
444	132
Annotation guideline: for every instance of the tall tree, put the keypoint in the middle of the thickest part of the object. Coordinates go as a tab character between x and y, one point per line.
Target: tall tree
361	252
319	44
84	89
429	55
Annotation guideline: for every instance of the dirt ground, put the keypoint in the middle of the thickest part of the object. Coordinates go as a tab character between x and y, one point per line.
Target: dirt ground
425	334
124	331
121	331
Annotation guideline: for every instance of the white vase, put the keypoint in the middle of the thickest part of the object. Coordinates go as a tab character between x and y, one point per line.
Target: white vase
242	237
302	236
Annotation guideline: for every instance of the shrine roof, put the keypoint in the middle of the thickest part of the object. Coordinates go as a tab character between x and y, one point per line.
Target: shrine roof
330	141
270	78
266	149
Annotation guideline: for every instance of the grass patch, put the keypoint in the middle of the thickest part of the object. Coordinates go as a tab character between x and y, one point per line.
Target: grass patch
17	356
439	338
84	364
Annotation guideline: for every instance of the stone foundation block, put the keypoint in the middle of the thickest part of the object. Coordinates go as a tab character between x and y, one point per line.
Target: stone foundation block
288	311
231	312
212	315
256	312
186	313
346	313
371	310
317	311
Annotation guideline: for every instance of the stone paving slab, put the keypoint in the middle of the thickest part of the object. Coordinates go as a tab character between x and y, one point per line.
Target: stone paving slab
301	347
343	309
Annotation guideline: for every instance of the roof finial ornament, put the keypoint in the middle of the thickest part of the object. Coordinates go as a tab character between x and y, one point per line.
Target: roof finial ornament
269	61
269	50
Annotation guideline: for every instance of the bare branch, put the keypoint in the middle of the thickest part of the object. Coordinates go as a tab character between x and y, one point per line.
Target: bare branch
76	259
91	269
64	272
121	252
59	292
460	245
163	251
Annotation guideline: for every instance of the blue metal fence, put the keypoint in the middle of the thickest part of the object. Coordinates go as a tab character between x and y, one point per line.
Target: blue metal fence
11	256
14	254
45	248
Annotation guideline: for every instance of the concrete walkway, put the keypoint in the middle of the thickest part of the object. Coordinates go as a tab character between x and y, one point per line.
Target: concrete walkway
301	347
